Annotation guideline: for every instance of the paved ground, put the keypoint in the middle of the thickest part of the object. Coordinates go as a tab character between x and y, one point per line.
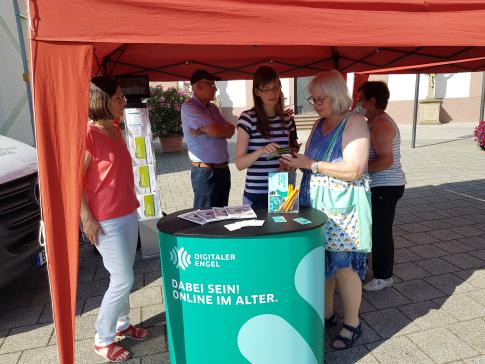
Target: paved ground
435	313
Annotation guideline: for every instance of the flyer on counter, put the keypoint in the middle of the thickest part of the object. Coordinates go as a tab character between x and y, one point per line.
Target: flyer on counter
302	221
207	215
278	219
220	213
240	224
240	212
193	217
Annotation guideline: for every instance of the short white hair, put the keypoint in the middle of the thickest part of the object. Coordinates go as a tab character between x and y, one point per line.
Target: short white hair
332	84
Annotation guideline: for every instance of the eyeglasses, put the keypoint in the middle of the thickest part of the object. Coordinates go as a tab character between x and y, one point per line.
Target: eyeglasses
271	90
316	100
121	99
209	83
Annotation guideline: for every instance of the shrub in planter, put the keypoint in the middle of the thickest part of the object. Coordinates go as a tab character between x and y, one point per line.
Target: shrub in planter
164	109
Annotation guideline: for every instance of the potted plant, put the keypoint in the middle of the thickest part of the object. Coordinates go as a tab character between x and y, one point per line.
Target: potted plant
479	134
164	107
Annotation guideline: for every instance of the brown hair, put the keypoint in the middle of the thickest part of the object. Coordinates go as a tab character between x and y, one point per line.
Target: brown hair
100	92
377	90
263	76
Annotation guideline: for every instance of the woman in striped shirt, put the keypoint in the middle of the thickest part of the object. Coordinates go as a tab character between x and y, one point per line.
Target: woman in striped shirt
387	180
261	131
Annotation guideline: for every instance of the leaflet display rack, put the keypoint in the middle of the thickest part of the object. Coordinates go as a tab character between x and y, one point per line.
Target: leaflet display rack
138	138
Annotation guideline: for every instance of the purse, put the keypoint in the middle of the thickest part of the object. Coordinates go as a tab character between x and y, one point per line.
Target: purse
346	204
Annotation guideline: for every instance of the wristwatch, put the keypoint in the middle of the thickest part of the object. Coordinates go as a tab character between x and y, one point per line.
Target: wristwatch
314	167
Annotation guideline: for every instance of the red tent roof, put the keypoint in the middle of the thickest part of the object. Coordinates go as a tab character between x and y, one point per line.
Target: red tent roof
234	37
71	38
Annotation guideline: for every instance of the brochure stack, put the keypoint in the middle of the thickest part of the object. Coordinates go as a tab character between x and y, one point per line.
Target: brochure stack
138	138
139	134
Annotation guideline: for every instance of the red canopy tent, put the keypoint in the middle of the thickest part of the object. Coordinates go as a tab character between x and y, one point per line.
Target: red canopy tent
71	40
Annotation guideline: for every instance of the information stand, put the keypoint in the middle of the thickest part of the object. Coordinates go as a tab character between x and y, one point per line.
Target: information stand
251	295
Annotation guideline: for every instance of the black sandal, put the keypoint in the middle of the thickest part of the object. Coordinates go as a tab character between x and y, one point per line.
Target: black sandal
331	322
348	341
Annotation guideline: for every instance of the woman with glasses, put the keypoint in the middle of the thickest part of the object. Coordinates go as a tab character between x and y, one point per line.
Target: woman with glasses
347	161
260	132
108	215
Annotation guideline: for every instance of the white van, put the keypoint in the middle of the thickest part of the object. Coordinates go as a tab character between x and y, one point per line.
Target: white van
19	210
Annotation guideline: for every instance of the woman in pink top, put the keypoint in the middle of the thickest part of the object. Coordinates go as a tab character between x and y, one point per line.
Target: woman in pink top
108	214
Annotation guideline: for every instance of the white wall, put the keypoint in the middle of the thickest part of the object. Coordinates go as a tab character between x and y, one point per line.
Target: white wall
285	87
452	85
232	93
448	85
401	87
15	119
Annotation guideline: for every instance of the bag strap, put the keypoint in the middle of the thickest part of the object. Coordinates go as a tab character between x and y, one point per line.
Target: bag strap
331	146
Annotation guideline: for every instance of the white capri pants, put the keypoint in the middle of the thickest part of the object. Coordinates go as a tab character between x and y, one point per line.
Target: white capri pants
118	248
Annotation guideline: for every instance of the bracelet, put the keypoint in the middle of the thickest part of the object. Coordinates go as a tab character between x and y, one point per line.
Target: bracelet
314	167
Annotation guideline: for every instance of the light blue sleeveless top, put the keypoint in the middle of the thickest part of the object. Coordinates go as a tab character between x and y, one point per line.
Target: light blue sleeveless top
315	150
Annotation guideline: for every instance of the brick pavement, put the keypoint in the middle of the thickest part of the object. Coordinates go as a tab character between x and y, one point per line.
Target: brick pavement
435	312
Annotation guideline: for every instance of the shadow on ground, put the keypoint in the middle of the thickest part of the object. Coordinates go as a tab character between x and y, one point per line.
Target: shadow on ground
439	282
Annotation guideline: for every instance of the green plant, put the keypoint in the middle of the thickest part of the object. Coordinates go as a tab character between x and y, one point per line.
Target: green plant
164	107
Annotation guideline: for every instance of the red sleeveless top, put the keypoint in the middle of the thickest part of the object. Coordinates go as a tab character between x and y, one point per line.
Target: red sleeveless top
109	182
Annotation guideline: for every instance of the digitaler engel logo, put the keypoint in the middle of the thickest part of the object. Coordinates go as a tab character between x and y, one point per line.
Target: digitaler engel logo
180	258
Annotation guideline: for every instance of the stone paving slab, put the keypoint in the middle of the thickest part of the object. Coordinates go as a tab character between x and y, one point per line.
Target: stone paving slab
435	312
427	315
398	350
389	322
472	332
10	358
46	354
27	337
21	317
409	271
449	284
442	346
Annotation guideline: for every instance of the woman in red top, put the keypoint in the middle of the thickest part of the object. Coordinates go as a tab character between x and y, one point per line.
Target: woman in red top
108	214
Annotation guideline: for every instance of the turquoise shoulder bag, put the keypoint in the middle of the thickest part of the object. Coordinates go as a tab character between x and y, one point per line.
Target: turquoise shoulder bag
346	204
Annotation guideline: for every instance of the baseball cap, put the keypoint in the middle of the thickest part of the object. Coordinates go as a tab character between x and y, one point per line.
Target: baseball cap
107	84
202	75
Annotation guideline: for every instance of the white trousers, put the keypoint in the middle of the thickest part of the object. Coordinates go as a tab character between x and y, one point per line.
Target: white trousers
118	248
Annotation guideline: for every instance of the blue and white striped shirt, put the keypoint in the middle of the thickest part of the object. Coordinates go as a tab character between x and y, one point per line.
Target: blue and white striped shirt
257	173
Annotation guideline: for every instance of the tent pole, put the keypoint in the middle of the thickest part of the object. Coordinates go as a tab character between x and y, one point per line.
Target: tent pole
482	102
415	112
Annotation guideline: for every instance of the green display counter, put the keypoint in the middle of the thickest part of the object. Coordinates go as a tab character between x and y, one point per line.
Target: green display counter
253	295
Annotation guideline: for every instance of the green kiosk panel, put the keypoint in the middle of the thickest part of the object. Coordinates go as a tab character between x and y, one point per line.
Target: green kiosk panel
253	295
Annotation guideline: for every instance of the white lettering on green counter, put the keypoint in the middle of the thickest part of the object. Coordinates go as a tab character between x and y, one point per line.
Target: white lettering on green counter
219	294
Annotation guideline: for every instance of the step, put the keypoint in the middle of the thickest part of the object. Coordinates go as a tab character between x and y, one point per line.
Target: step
305	121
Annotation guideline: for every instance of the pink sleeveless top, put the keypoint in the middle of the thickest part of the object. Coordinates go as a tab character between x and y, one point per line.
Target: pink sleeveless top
109	183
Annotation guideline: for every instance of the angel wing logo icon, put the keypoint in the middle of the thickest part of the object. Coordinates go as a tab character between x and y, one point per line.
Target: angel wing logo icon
180	258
